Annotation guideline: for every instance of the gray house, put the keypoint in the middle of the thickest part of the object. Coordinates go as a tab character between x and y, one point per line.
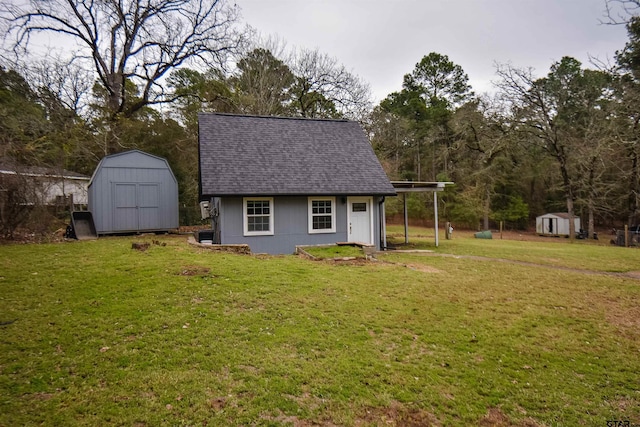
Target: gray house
45	186
134	192
274	183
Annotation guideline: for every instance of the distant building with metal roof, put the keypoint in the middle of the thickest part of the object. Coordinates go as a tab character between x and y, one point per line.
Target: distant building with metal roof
46	185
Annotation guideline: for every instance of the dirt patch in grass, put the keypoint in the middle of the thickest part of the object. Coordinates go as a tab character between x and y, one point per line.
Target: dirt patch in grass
218	403
496	418
624	316
42	396
293	420
397	415
307	400
193	270
348	260
423	268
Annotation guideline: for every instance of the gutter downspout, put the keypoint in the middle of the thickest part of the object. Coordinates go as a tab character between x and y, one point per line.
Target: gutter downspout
383	224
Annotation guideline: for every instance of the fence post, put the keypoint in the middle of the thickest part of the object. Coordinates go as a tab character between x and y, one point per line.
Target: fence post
626	235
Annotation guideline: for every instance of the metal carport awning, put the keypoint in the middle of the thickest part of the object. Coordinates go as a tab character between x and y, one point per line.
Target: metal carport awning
404	187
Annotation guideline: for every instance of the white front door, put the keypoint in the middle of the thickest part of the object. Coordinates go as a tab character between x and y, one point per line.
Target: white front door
360	219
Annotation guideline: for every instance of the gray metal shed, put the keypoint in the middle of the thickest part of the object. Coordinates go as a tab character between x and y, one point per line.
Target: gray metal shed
133	191
555	224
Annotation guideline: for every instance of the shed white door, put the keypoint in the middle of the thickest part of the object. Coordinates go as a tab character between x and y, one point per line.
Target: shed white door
136	206
360	220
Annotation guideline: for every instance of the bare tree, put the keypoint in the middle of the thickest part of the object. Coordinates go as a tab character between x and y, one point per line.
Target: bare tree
262	83
69	82
619	12
627	131
562	114
17	199
481	141
390	136
128	40
325	88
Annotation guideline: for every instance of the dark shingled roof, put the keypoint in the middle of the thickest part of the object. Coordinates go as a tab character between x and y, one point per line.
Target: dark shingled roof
252	156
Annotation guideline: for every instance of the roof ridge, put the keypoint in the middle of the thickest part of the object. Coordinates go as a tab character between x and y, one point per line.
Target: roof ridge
318	119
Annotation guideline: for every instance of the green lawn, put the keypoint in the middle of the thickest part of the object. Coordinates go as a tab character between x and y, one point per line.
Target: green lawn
551	251
95	333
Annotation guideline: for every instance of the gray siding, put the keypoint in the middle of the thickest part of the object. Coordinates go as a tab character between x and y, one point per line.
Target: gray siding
132	192
290	225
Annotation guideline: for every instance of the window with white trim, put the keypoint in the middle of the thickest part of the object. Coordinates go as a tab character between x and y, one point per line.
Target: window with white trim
322	215
258	216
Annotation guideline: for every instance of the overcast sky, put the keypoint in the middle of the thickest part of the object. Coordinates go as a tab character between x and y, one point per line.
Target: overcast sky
382	40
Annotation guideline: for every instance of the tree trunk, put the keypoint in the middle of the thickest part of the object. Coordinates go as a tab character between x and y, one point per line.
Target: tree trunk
572	224
419	162
633	188
114	93
591	226
487	207
591	197
568	192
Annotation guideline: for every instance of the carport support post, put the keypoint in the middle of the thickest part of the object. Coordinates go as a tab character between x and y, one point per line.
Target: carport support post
406	219
435	214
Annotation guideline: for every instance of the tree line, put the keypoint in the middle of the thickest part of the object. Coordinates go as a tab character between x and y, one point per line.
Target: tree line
564	142
136	74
